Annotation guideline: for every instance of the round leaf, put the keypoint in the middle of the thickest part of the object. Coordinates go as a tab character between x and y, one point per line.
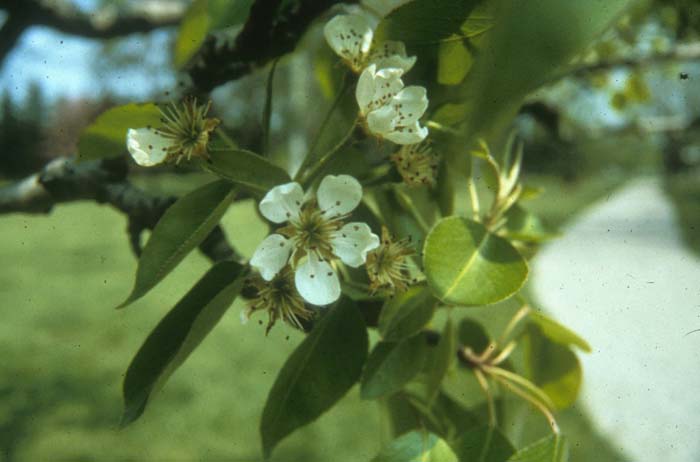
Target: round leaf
465	264
417	447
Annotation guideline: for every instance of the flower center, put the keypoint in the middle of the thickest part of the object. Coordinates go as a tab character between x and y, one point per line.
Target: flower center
313	231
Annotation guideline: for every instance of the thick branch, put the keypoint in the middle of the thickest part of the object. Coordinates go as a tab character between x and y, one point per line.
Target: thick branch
273	29
63	180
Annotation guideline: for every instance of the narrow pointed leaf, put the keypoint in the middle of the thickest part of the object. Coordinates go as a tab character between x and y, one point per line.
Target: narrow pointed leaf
553	448
417	446
316	375
406	314
181	228
247	169
178	334
390	366
440	360
465	264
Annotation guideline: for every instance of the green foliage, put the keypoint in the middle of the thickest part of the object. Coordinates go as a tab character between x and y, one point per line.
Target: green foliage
558	333
417	447
316	375
178	334
246	169
106	136
553	448
391	365
467	265
439	361
483	444
182	228
406	314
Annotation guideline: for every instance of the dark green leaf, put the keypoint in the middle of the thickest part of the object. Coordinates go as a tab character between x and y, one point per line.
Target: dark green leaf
417	447
553	367
553	448
406	314
465	264
483	444
106	136
316	375
390	366
178	334
425	21
473	335
247	169
182	228
522	225
440	360
557	332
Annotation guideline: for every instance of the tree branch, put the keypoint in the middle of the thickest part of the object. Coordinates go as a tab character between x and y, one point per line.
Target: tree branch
63	180
273	28
63	17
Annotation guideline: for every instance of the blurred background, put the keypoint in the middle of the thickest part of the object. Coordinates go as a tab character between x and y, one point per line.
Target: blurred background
615	143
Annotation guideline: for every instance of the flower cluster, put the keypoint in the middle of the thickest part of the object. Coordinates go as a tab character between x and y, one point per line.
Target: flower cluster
388	110
314	237
184	133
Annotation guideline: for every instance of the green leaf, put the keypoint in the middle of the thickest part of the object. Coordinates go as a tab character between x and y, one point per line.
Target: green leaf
417	447
390	366
465	264
316	375
247	169
178	334
425	21
472	334
106	136
557	332
406	314
202	17
454	61
181	228
483	444
440	360
529	42
522	225
553	448
553	367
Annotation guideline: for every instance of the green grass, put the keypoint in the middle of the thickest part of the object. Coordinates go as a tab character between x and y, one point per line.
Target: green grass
65	349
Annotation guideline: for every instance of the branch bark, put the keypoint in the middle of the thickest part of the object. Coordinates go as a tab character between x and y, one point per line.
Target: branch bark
63	180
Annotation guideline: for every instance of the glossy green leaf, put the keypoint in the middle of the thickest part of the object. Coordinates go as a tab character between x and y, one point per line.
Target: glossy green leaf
553	367
406	314
557	332
483	444
106	136
390	366
440	360
454	61
181	228
529	42
202	17
417	446
467	265
425	21
316	375
553	448
247	169
178	334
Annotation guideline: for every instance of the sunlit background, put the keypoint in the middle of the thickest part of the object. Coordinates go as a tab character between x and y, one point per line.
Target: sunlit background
616	145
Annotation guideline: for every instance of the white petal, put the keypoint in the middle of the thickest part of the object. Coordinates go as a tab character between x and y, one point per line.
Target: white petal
338	195
392	54
316	281
408	135
282	202
147	147
410	103
271	255
350	36
383	120
376	88
352	242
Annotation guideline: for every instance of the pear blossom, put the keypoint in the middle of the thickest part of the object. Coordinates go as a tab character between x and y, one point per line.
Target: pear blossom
184	132
390	110
350	36
314	237
388	265
418	164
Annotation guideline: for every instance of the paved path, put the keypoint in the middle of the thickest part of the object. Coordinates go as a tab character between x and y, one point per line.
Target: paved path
621	277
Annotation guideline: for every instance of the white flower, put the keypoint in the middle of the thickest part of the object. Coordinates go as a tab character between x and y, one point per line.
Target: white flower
390	110
350	36
146	146
314	236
